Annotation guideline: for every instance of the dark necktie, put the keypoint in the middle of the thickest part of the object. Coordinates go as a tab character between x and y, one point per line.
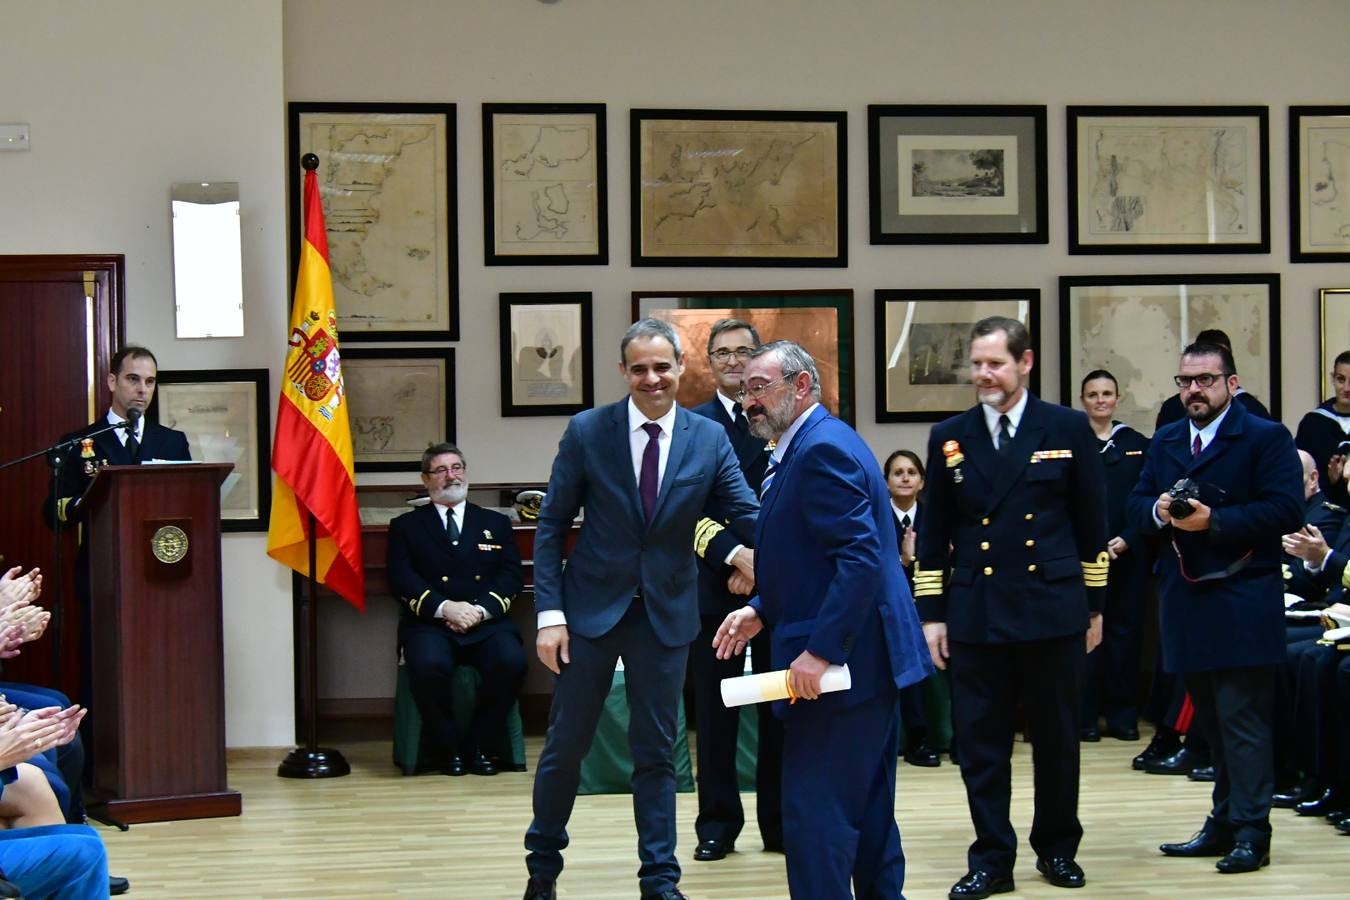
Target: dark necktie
904	523
768	476
649	480
1195	447
133	445
451	528
742	423
1005	435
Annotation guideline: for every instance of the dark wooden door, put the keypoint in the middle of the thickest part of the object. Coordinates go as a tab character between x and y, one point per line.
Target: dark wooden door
61	317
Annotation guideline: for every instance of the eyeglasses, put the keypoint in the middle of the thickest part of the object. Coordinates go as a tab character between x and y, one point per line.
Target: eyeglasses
723	354
442	471
1206	380
756	393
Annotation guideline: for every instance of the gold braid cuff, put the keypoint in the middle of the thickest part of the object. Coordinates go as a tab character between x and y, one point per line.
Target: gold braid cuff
1094	573
704	532
927	583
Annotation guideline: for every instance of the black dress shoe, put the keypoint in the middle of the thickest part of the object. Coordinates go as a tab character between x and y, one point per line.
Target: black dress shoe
117	885
541	889
453	765
1160	747
1091	735
1203	843
1318	805
1202	773
1062	872
1179	763
1128	733
1336	814
671	894
1244	857
1290	798
481	765
923	755
707	851
978	884
1343	826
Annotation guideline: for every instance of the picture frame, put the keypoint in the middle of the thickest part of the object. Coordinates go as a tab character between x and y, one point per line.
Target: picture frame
922	348
1168	179
545	187
390	212
402	400
547	354
1333	334
819	320
957	174
1135	327
225	414
738	188
1319	178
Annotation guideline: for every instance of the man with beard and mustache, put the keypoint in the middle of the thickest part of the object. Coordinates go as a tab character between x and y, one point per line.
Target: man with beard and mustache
1221	616
1010	583
831	591
455	569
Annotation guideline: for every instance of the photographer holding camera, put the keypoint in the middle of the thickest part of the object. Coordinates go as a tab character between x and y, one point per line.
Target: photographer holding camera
1222	487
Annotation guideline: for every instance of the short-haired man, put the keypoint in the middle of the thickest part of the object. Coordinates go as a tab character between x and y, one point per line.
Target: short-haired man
455	569
1172	410
646	472
1010	584
1221	617
1323	431
731	342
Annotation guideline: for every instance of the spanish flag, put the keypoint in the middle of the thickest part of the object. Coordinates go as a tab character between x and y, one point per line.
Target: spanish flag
312	454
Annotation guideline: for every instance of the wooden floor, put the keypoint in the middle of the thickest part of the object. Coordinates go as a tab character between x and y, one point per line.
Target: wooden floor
375	833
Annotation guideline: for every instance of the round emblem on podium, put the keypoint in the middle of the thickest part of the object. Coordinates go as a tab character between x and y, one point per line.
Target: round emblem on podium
169	543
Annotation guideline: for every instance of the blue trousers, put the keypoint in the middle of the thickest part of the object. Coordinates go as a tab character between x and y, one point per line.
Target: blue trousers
56	862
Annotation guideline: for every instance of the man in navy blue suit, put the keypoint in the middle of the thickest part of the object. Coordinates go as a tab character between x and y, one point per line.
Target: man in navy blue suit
831	591
1010	583
1221	618
646	472
721	589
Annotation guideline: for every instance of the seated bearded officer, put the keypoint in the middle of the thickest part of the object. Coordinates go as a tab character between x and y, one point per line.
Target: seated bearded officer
454	567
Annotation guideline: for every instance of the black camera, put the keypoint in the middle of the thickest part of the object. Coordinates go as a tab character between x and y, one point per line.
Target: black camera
1183	493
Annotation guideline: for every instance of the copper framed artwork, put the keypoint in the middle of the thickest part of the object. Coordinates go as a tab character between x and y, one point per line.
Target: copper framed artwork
387	177
738	188
1135	327
1168	179
544	184
941	174
225	415
402	401
546	354
922	361
1334	334
819	320
1319	184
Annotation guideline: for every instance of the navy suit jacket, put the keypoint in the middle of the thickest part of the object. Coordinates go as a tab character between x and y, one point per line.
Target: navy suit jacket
617	551
826	568
157	442
1251	476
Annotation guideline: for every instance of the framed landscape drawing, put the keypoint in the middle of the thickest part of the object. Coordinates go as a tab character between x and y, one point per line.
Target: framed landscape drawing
1334	304
402	401
544	198
546	354
1135	327
819	320
922	347
1319	183
738	188
1168	179
957	174
225	415
387	177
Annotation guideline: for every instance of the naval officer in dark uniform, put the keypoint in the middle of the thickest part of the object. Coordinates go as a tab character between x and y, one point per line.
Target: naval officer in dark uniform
1010	583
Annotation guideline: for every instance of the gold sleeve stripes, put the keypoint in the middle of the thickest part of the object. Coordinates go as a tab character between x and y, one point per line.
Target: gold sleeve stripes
704	532
1094	573
61	506
927	583
504	601
416	605
1345	578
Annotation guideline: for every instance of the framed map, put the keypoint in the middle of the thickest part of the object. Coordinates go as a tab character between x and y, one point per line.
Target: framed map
546	353
1335	334
1135	327
402	401
544	197
922	348
387	178
738	188
1319	184
957	174
819	320
225	415
1168	179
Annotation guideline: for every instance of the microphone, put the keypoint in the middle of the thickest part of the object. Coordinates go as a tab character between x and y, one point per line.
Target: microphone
133	416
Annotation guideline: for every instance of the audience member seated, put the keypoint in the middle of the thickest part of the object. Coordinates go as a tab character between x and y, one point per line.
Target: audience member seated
1322	431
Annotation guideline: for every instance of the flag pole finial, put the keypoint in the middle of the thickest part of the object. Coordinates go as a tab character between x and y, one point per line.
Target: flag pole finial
309	162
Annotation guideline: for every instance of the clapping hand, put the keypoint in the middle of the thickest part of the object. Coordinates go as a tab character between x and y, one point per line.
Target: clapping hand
1307	544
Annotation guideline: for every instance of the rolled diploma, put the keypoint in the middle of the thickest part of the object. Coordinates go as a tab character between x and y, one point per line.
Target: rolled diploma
773	686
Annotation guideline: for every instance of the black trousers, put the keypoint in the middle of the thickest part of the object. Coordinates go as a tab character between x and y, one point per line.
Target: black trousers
1234	709
720	814
1111	685
988	680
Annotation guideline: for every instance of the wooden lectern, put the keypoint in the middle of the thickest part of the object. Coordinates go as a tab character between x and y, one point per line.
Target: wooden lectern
158	670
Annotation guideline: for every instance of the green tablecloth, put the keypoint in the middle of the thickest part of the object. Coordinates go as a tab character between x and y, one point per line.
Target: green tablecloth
608	767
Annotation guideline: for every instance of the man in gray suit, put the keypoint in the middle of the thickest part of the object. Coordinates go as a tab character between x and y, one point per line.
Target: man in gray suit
645	470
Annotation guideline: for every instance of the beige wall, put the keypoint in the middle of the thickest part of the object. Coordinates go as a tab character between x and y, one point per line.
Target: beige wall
126	98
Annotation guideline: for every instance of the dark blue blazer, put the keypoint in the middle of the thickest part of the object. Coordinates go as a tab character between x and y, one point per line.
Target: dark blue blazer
826	568
617	552
1251	475
157	442
713	597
